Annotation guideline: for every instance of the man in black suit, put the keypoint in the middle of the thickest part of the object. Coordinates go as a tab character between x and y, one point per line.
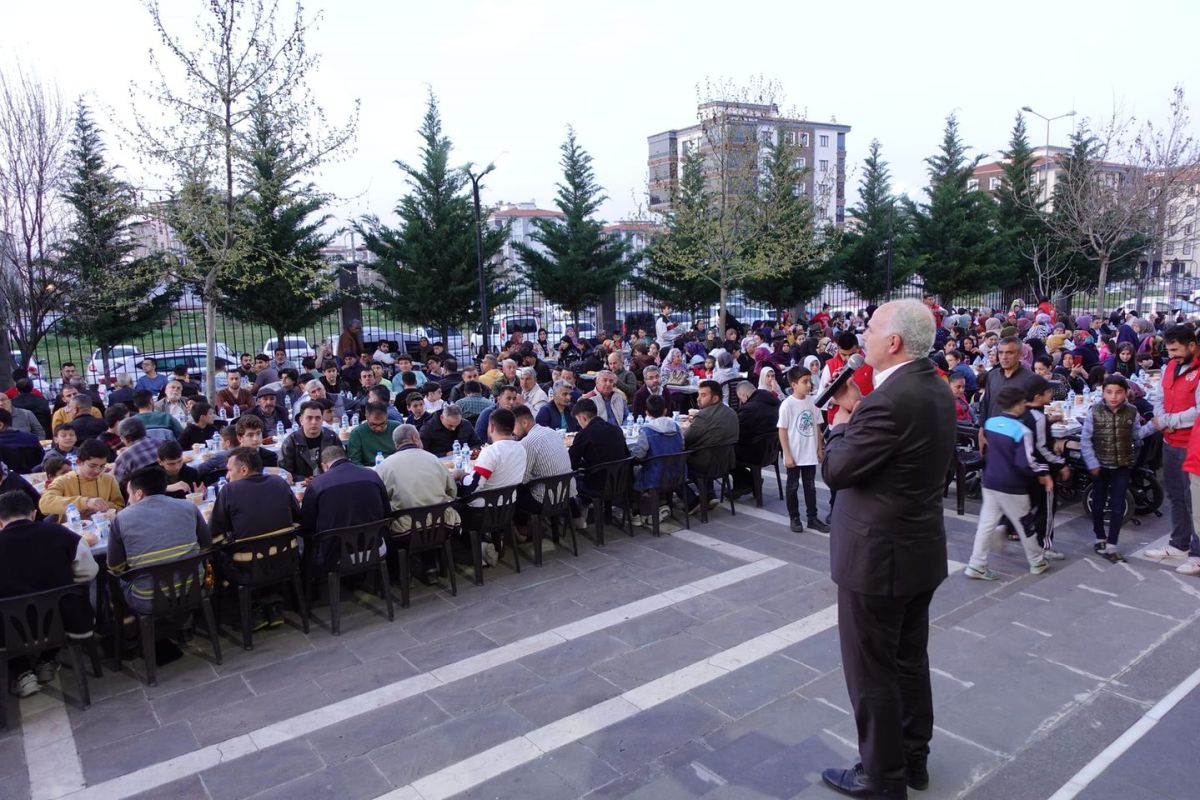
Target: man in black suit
887	456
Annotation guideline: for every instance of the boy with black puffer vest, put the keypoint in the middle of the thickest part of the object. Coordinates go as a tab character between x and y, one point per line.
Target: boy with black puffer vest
1110	430
1008	466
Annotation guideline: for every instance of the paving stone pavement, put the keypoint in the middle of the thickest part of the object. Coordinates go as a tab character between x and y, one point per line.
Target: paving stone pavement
652	668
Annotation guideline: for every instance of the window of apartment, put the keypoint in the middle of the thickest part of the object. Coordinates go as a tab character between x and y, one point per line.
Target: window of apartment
972	184
1187	248
1172	230
801	163
804	140
789	137
994	184
1187	229
1189	211
824	165
824	140
1169	249
799	190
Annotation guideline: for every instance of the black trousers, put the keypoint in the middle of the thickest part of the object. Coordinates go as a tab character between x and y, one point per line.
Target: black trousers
806	475
885	659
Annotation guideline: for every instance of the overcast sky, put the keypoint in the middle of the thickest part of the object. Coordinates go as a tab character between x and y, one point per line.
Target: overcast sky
512	75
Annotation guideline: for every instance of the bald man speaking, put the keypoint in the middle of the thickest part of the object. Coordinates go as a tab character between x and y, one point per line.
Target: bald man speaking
887	457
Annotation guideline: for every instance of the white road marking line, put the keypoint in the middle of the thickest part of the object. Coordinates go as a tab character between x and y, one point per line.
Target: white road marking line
286	730
1108	755
1031	628
834	706
1132	571
771	516
50	753
1032	596
948	676
520	750
1184	585
842	739
965	740
1143	610
1094	590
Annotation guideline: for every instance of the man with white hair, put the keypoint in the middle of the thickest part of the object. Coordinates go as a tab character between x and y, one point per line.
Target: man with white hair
887	456
508	376
626	380
610	404
315	390
533	395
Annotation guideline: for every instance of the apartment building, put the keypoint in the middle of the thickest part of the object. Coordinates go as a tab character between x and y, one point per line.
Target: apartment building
752	128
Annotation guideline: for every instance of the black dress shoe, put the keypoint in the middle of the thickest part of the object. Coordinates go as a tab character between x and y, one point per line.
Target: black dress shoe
918	775
854	782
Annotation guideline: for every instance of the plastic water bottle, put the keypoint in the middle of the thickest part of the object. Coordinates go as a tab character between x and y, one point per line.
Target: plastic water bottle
211	494
345	421
73	460
458	459
457	450
641	421
278	430
73	518
102	529
378	457
222	413
236	411
354	420
1070	402
214	443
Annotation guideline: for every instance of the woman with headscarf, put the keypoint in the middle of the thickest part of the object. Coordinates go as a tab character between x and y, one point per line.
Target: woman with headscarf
1085	348
1122	362
781	354
675	371
813	365
767	382
762	358
726	370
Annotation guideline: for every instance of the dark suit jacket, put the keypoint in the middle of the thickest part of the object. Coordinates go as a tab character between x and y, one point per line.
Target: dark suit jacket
639	400
439	440
887	465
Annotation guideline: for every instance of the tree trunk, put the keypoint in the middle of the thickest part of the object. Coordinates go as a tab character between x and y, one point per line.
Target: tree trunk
721	312
1101	282
7	365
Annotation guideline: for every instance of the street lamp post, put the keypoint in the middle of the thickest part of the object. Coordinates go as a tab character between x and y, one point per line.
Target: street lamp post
1048	120
484	321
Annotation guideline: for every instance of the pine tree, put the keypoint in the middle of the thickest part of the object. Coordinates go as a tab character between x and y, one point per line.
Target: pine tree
580	262
788	235
282	282
1018	210
428	264
662	279
112	297
862	261
952	245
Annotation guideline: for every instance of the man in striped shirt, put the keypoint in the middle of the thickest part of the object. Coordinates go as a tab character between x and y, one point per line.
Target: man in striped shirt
153	529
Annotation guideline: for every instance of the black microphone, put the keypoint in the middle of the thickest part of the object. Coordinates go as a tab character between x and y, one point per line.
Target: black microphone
855	361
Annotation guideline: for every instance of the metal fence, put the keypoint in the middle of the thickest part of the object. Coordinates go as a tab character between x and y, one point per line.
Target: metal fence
185	325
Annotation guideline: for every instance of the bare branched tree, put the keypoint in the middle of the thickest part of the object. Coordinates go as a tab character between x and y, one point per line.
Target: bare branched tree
243	56
728	235
34	139
1120	184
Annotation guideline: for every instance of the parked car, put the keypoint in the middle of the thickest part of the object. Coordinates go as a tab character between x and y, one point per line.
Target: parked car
193	358
120	359
584	330
294	347
502	328
221	350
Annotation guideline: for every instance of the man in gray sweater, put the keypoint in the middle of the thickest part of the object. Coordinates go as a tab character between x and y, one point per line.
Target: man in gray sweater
153	529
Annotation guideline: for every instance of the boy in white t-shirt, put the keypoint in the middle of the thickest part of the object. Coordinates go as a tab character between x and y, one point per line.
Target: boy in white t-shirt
802	446
500	464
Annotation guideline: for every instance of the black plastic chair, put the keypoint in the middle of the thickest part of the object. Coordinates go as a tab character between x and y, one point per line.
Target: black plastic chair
33	623
427	532
494	516
261	561
768	448
618	479
177	589
357	549
556	509
718	469
671	479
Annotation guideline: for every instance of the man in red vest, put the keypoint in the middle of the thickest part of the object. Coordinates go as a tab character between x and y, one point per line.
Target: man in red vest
847	345
1175	414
